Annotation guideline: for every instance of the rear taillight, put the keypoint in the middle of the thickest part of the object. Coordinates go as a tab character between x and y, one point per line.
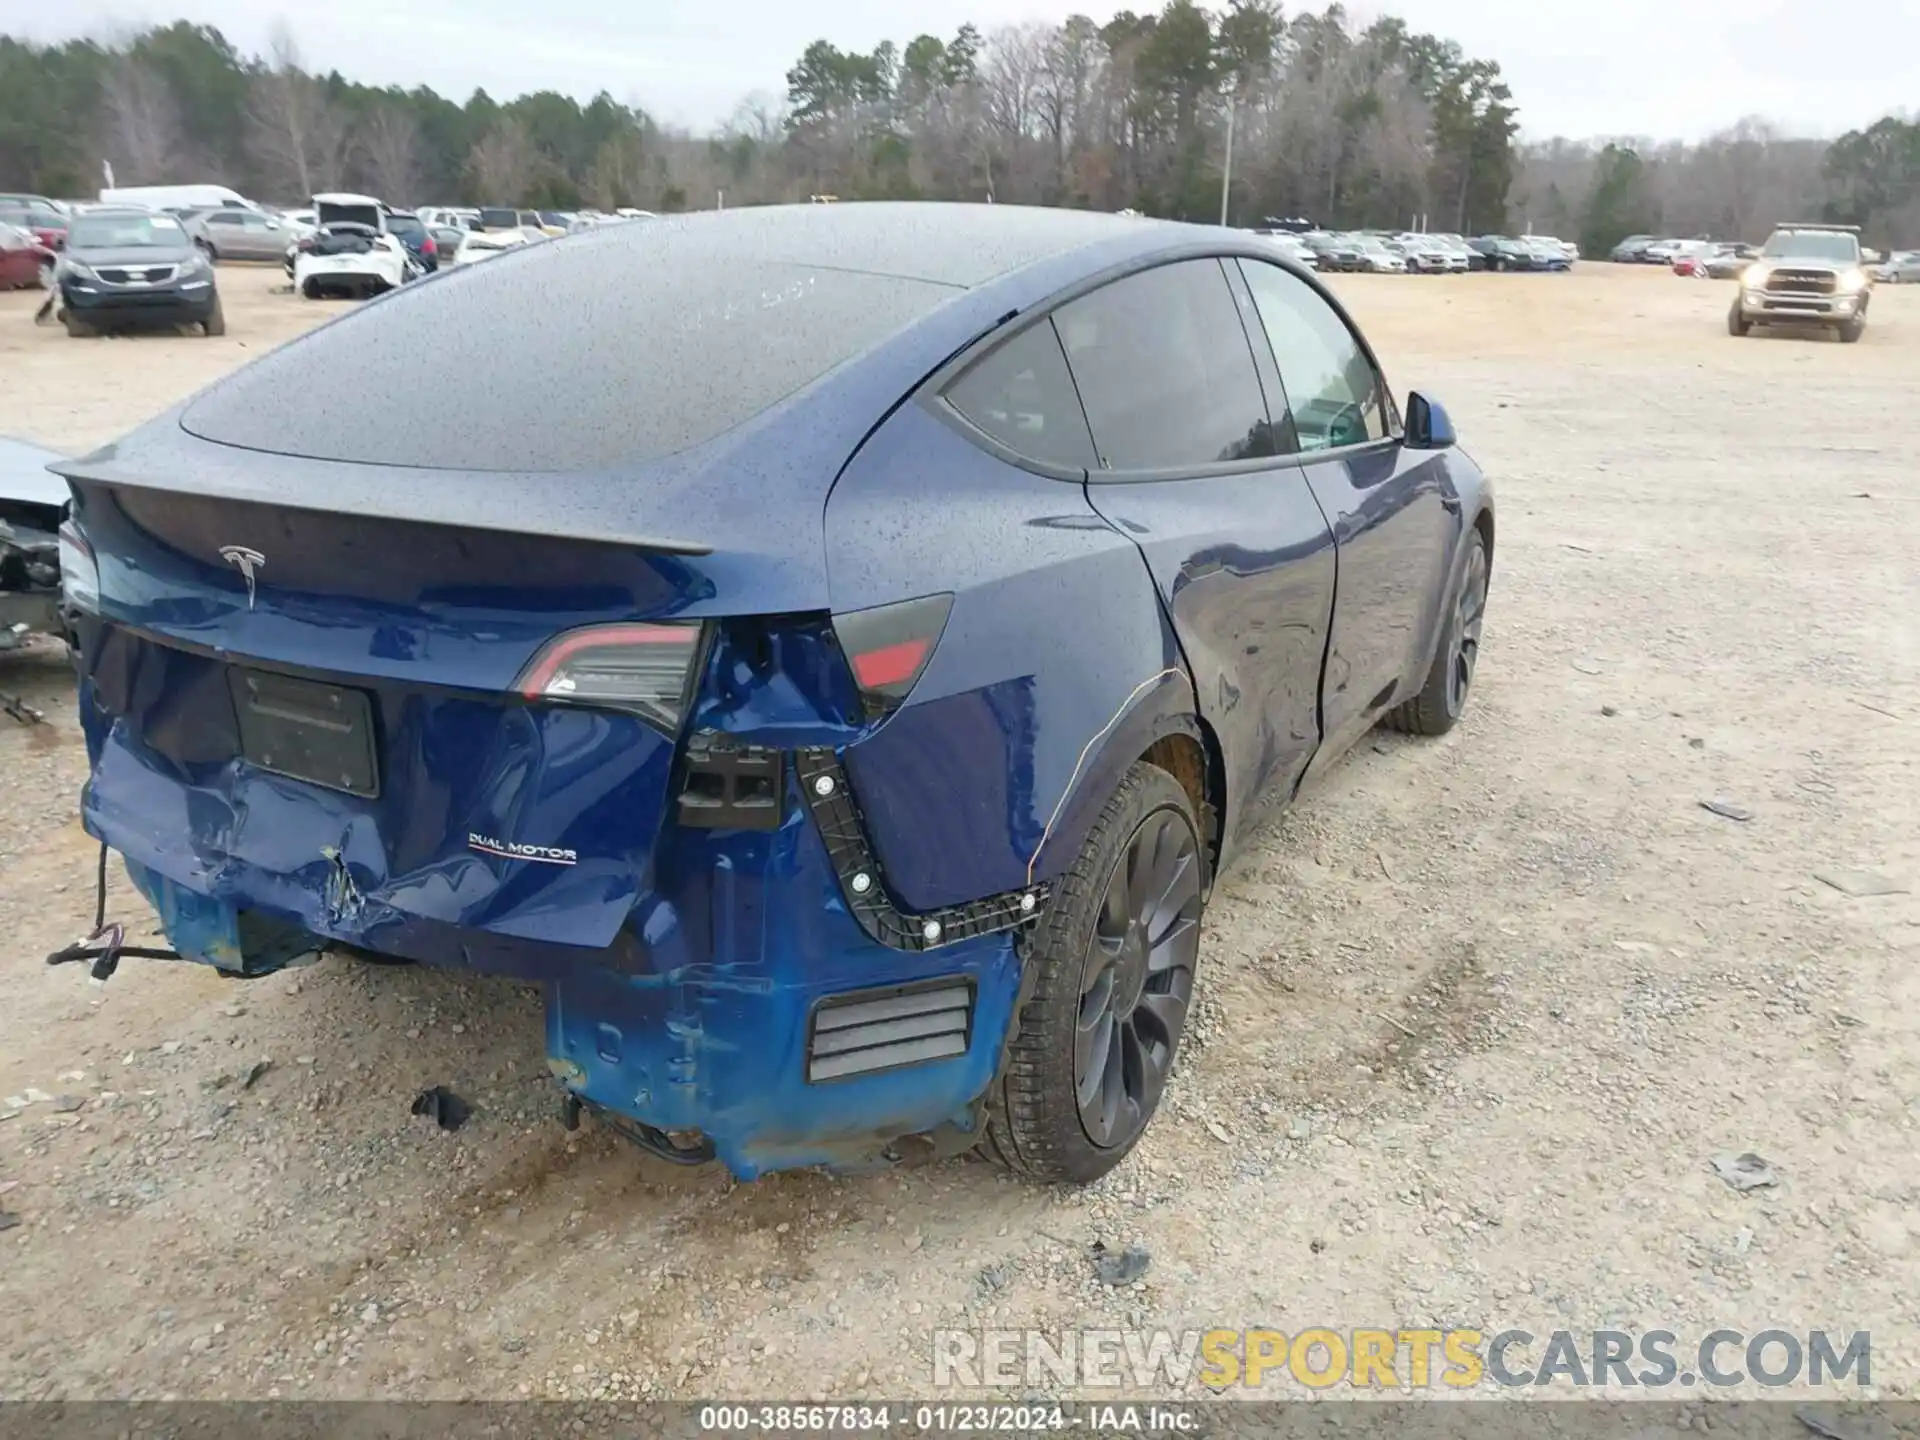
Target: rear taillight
646	670
429	248
888	647
79	571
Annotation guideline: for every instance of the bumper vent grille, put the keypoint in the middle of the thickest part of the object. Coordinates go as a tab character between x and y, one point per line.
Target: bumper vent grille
873	1030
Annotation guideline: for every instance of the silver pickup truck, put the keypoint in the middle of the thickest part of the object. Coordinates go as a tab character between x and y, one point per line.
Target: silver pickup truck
1806	275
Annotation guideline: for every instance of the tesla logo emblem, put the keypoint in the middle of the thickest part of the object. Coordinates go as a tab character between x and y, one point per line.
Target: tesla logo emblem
247	562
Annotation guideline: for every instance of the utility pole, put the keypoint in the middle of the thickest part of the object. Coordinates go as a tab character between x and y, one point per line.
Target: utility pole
1226	172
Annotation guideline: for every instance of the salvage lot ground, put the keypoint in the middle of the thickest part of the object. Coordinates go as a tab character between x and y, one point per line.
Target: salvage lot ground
1478	1012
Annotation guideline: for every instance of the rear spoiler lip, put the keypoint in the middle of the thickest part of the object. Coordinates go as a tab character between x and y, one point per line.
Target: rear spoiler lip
481	500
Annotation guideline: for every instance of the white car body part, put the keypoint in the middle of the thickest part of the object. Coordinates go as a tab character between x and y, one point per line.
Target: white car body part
353	273
179	197
477	245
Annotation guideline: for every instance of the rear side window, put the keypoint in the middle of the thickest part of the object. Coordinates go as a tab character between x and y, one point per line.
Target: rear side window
1334	395
1022	396
1163	369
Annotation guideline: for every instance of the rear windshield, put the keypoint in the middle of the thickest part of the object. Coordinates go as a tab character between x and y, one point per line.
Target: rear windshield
367	215
407	227
499	219
586	356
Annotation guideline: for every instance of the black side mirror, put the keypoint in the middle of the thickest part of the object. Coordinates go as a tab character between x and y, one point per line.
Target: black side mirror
1429	427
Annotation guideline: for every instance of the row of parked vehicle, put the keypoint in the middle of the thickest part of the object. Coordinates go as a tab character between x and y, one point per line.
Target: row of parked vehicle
1707	259
147	256
1421	253
357	245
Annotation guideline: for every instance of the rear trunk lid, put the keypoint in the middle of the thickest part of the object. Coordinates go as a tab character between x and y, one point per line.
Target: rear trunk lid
318	586
315	714
251	604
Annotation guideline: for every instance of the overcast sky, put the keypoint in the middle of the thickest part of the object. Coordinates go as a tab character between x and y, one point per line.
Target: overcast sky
1606	67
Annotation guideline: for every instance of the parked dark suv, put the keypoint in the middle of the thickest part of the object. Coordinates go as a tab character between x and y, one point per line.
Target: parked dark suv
127	267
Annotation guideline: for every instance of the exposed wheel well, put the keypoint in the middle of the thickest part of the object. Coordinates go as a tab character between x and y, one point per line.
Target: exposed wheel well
1483	522
1198	769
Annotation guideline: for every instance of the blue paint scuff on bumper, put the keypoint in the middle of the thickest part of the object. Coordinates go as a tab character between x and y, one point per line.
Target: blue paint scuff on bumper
695	1018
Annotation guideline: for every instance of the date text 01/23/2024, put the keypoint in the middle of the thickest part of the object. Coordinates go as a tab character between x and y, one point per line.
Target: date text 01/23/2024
909	1418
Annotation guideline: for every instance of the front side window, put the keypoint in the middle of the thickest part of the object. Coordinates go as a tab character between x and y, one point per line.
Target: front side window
1164	372
1334	395
1022	396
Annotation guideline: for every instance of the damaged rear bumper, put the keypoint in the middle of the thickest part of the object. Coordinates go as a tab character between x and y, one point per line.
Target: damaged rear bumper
765	1004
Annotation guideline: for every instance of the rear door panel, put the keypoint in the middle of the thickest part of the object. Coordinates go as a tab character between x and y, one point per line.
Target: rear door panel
1237	545
1245	565
1392	512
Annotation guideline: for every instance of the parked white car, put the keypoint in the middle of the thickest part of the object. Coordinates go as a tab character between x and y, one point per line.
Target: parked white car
1378	256
454	217
1566	247
1428	253
179	197
1902	267
352	255
478	245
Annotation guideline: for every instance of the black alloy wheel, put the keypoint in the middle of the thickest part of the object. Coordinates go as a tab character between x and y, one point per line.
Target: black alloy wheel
1137	980
1109	974
1443	696
1469	615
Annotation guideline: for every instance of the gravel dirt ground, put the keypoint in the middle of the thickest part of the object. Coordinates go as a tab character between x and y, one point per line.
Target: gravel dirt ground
1477	1014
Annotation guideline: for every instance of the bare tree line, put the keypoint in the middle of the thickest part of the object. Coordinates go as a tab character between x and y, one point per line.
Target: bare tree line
1344	123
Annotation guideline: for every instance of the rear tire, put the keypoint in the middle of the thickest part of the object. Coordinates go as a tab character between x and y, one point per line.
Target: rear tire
1449	683
1111	968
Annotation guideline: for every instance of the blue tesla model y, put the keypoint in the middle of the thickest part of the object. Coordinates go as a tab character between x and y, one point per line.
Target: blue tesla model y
832	658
